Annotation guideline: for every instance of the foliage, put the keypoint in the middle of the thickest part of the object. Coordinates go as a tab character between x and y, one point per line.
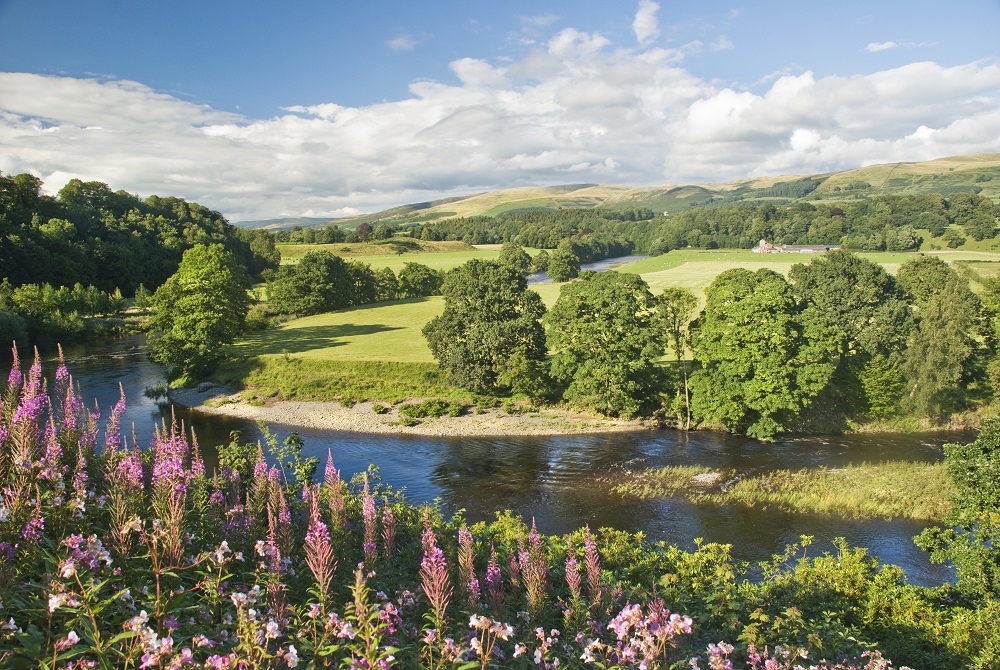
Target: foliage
322	282
971	534
180	568
417	280
944	350
515	256
199	311
604	342
676	307
764	358
563	265
92	235
490	322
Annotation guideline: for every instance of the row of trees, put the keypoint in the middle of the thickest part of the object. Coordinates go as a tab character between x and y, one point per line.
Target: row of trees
322	282
841	340
881	223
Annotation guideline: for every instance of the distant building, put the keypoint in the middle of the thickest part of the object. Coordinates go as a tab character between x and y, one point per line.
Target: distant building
765	247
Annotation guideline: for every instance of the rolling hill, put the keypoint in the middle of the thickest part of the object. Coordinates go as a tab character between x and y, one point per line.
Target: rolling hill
978	173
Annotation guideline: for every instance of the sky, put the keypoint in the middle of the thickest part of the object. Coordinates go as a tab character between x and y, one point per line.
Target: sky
331	108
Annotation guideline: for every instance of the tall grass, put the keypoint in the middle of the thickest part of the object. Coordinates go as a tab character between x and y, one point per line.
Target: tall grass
902	490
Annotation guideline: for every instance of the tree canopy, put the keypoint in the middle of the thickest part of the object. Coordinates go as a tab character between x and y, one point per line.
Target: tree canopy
604	341
488	337
764	358
199	310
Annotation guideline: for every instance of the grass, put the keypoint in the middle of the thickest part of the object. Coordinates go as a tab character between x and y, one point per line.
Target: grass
296	378
895	489
388	331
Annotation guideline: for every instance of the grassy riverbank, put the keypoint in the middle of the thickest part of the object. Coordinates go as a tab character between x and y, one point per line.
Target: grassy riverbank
904	490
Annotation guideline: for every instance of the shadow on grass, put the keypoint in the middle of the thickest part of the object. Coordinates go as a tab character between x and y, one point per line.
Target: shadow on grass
309	338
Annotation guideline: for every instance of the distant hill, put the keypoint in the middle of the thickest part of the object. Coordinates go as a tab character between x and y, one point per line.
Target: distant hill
977	173
285	223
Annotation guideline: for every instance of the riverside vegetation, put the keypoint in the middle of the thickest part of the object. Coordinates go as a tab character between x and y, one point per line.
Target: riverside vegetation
122	557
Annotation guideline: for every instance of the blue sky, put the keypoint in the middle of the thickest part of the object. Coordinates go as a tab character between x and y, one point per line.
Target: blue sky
329	108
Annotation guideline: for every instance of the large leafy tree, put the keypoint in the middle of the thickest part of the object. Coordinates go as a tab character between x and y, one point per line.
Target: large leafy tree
417	280
199	310
944	354
489	337
320	282
764	358
603	336
563	264
861	299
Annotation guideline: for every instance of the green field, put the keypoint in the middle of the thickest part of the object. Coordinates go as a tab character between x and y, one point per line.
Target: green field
326	345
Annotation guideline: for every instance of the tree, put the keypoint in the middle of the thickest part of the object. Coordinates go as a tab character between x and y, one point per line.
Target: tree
563	265
604	343
363	231
515	256
320	282
676	307
863	301
970	538
923	277
942	354
417	280
763	357
199	310
488	337
386	285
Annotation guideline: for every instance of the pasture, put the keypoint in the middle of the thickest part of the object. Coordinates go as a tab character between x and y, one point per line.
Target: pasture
304	357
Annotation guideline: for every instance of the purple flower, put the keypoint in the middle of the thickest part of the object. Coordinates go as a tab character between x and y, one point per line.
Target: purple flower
434	575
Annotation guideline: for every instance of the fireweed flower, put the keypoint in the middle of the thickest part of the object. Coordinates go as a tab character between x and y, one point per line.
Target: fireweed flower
318	549
494	582
434	579
369	516
388	530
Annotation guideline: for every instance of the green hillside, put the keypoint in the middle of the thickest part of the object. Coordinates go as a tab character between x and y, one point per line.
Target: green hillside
977	173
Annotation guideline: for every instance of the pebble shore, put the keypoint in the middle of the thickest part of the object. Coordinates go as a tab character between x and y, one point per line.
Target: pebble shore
361	417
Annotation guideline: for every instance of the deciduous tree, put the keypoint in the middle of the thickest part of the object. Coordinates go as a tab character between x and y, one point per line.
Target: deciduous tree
489	337
199	310
763	357
604	340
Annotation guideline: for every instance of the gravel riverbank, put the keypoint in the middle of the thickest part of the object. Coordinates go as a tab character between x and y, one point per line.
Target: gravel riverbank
361	417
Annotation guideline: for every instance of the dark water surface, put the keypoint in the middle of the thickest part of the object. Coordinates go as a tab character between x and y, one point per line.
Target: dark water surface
561	481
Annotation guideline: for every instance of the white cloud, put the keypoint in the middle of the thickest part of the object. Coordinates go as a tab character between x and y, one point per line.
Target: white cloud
722	43
645	25
403	43
874	47
576	109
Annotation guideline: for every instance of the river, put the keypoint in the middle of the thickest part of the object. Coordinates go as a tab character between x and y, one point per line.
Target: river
561	481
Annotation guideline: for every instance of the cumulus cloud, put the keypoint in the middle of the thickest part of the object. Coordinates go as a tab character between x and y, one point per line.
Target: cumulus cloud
574	109
645	25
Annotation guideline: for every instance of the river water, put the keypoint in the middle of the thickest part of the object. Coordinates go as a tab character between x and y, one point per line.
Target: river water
561	481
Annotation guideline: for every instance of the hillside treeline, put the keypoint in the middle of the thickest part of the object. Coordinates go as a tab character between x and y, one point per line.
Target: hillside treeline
883	223
94	236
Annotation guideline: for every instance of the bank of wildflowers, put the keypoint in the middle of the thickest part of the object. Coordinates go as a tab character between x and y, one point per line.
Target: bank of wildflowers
116	556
